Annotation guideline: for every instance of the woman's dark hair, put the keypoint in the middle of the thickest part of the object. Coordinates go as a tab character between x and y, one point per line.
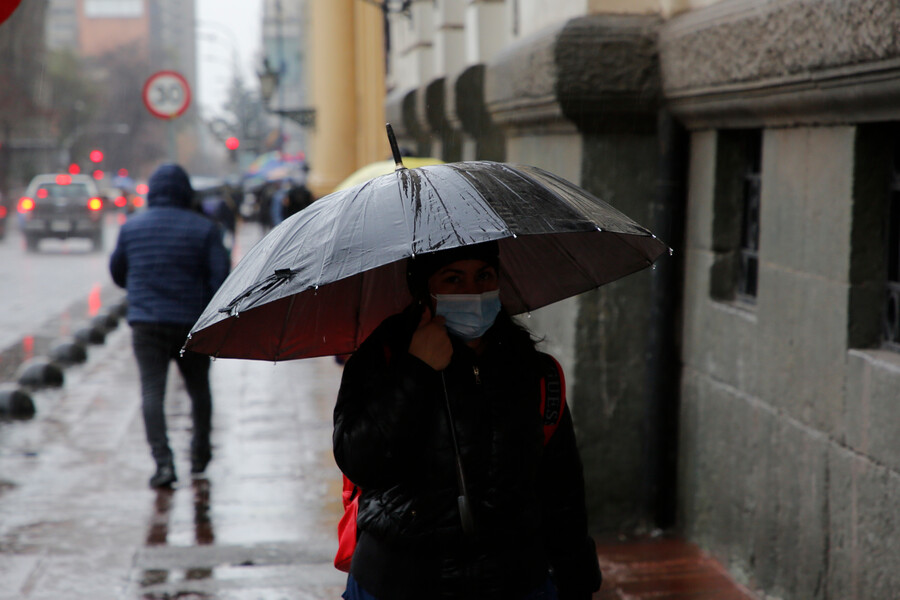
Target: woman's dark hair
422	266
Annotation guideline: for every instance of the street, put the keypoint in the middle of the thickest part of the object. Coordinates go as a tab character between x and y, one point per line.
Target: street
44	285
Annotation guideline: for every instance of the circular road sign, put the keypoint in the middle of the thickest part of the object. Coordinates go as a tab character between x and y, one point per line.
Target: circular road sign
167	94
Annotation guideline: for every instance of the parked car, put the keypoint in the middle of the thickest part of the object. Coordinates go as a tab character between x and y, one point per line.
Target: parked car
59	205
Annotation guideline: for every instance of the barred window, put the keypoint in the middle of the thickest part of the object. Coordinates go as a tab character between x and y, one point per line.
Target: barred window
736	216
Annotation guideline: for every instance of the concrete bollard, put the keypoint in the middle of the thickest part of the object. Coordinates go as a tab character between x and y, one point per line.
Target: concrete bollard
40	372
15	402
90	334
120	309
105	320
68	352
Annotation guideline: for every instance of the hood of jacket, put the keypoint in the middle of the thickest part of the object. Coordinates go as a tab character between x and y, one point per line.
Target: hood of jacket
170	186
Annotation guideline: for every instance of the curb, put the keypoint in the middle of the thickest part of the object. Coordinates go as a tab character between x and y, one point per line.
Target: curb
48	371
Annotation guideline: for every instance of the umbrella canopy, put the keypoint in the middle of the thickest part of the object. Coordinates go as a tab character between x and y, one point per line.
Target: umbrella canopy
383	167
322	280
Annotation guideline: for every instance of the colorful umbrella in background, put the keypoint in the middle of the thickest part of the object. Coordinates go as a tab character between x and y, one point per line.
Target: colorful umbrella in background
383	167
262	162
274	166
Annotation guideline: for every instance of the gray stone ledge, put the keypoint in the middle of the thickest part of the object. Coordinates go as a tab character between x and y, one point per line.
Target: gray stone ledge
400	109
589	71
430	107
744	63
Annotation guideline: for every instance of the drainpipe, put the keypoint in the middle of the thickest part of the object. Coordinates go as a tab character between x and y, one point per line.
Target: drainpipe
667	221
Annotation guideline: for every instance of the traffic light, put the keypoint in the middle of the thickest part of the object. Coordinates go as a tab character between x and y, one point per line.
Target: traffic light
232	143
96	156
74	169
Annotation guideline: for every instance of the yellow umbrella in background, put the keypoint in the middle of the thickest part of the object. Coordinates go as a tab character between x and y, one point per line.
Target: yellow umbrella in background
383	167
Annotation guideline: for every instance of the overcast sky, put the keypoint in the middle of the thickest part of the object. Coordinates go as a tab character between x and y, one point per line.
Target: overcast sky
226	27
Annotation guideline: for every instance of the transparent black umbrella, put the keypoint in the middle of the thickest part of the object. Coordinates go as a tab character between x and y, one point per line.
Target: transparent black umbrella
322	280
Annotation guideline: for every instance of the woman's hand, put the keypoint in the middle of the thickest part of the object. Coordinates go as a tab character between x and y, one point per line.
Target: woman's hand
430	342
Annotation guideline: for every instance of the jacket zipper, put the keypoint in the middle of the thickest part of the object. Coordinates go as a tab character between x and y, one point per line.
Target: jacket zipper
477	376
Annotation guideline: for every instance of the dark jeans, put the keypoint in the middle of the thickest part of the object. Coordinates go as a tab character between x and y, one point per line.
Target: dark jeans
154	346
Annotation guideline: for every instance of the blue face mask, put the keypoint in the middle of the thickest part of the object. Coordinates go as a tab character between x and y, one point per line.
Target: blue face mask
468	316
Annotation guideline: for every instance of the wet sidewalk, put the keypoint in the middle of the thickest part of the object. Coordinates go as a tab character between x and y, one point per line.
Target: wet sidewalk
663	569
78	521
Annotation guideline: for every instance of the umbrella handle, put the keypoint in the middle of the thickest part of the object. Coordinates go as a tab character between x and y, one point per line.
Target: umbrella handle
465	505
395	149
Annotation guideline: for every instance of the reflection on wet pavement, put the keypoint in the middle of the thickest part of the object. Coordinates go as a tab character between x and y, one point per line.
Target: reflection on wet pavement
158	531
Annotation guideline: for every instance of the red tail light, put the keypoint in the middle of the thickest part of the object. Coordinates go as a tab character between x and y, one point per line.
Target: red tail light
95	204
26	204
120	201
138	202
2	212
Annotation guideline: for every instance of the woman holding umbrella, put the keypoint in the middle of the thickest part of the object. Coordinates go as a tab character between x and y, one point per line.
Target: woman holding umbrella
439	422
439	419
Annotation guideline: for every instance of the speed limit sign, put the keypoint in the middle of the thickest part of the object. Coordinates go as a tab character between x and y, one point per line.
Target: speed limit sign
167	94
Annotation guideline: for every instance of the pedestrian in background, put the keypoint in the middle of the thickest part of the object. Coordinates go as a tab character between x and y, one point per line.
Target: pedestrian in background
517	529
298	198
171	260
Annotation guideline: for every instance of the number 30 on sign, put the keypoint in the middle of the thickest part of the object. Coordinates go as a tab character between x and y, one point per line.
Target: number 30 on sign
167	94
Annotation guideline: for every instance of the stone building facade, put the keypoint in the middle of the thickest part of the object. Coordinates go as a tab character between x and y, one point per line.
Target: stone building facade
746	392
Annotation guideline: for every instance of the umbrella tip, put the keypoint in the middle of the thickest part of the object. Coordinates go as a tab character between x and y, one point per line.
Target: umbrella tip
395	149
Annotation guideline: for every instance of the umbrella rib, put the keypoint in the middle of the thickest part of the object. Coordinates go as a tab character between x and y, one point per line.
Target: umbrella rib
409	227
627	238
284	326
337	225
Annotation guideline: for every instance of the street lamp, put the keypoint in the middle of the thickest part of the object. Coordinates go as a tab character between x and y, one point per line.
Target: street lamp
269	80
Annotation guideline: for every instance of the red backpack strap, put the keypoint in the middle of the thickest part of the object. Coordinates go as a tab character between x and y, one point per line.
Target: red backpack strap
347	526
553	395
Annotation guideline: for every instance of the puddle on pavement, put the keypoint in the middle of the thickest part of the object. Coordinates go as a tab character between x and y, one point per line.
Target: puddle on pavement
55	329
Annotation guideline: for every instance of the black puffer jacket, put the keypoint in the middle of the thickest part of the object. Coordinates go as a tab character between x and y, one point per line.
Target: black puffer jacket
392	438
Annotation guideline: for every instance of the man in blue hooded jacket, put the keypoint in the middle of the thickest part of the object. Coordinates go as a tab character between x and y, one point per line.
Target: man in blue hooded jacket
171	260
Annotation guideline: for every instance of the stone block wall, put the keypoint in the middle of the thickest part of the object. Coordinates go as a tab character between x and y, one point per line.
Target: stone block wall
788	463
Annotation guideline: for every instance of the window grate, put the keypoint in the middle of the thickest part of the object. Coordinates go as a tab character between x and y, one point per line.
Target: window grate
748	271
891	319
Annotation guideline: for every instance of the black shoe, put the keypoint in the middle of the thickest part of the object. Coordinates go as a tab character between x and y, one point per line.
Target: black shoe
164	476
199	460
